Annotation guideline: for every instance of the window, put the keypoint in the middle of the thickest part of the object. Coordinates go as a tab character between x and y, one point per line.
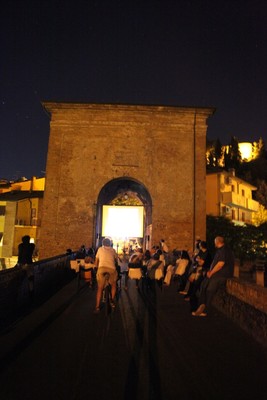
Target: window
2	210
243	192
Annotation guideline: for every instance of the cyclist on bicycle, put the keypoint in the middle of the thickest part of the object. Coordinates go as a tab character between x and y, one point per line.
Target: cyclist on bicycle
105	261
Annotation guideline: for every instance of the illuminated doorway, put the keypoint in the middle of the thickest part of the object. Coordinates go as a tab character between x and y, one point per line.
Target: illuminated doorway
123	213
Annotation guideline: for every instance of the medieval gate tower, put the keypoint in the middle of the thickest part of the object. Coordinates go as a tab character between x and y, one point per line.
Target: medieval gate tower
96	152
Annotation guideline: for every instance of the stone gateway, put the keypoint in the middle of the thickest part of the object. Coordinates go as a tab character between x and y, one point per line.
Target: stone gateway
151	157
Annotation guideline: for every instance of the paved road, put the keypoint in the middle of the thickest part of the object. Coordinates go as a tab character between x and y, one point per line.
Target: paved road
149	348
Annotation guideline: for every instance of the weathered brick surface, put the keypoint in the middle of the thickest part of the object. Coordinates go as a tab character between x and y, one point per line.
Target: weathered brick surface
163	148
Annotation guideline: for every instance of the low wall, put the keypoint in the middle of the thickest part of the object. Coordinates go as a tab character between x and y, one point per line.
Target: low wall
246	304
21	289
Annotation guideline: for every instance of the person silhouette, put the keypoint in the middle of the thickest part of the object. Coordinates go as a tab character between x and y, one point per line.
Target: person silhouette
25	251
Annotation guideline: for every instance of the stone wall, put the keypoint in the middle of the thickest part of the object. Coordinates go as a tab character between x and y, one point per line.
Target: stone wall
246	304
163	148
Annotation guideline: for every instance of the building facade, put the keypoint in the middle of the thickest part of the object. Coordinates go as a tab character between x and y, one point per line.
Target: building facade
231	197
96	152
21	212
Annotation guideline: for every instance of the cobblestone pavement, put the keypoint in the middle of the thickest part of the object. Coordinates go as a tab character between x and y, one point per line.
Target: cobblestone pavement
149	348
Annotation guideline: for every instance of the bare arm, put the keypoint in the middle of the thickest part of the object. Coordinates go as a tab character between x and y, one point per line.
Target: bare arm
215	269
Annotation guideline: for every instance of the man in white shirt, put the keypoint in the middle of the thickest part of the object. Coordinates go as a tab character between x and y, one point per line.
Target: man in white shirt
105	261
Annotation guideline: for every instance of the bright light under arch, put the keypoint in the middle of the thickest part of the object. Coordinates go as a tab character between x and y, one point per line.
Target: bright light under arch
123	221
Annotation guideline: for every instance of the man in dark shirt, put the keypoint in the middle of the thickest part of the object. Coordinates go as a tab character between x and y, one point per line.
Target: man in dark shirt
204	261
25	251
204	258
222	267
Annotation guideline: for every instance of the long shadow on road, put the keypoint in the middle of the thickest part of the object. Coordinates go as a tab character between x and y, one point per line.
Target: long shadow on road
149	348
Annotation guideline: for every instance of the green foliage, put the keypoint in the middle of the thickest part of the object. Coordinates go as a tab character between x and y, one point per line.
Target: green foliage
232	157
247	241
214	152
218	151
261	195
261	149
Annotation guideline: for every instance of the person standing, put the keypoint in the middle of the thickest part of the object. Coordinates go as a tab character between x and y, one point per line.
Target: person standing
204	261
25	251
222	267
135	266
164	246
124	269
105	261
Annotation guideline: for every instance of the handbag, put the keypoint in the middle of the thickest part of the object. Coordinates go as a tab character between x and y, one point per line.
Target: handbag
158	274
135	273
151	272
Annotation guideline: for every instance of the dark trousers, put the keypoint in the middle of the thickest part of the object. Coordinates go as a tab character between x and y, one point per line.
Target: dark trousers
208	289
193	292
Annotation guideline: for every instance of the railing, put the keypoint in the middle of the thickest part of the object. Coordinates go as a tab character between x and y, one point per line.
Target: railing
252	205
236	200
23	287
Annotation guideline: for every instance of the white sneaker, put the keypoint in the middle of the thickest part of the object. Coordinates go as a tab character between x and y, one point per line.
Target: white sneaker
199	311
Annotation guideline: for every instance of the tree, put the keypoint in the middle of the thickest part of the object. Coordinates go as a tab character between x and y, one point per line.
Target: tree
261	194
235	155
217	152
259	149
260	217
226	159
214	154
248	242
232	155
209	154
210	160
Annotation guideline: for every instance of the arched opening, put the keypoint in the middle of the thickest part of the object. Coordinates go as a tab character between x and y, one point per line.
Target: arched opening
124	212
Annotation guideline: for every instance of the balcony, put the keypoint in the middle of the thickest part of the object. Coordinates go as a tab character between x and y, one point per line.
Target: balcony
252	205
235	200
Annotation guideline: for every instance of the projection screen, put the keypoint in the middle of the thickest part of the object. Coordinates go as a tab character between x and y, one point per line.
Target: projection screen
123	221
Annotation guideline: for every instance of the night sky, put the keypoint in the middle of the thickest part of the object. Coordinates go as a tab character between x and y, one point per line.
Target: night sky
182	53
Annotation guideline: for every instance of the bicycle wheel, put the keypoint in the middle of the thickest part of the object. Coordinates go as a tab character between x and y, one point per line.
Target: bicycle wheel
107	298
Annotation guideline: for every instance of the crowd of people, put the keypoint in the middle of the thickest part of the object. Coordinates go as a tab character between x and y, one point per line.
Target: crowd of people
196	277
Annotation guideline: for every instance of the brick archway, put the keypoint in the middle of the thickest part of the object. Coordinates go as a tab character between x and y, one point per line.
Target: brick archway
161	149
124	185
